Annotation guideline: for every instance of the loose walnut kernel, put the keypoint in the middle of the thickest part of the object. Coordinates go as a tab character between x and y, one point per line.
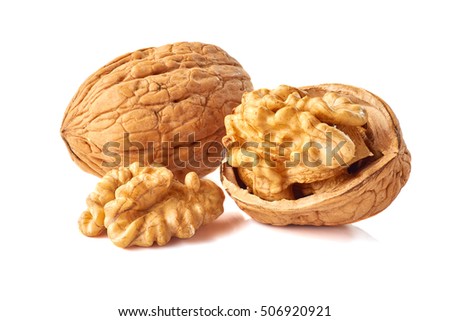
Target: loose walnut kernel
142	205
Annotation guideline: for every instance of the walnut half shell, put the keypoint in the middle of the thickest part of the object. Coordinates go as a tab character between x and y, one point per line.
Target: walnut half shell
377	166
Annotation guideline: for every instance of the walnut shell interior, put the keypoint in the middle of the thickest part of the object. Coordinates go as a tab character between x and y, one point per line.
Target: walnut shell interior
366	188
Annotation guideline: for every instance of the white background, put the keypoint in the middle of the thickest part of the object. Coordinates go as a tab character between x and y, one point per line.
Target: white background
393	266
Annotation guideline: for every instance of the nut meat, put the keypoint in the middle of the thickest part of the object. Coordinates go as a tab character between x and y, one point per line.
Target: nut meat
154	106
142	205
321	155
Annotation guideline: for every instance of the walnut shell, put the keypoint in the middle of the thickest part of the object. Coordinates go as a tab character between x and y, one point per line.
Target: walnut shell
364	189
156	105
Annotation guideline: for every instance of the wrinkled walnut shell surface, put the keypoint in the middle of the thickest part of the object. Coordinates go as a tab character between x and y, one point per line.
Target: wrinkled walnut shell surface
166	99
362	192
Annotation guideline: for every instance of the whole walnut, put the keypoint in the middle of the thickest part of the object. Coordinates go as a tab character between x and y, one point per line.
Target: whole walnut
161	105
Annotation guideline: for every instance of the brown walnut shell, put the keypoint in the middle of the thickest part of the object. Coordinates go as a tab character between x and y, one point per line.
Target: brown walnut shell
367	187
162	105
